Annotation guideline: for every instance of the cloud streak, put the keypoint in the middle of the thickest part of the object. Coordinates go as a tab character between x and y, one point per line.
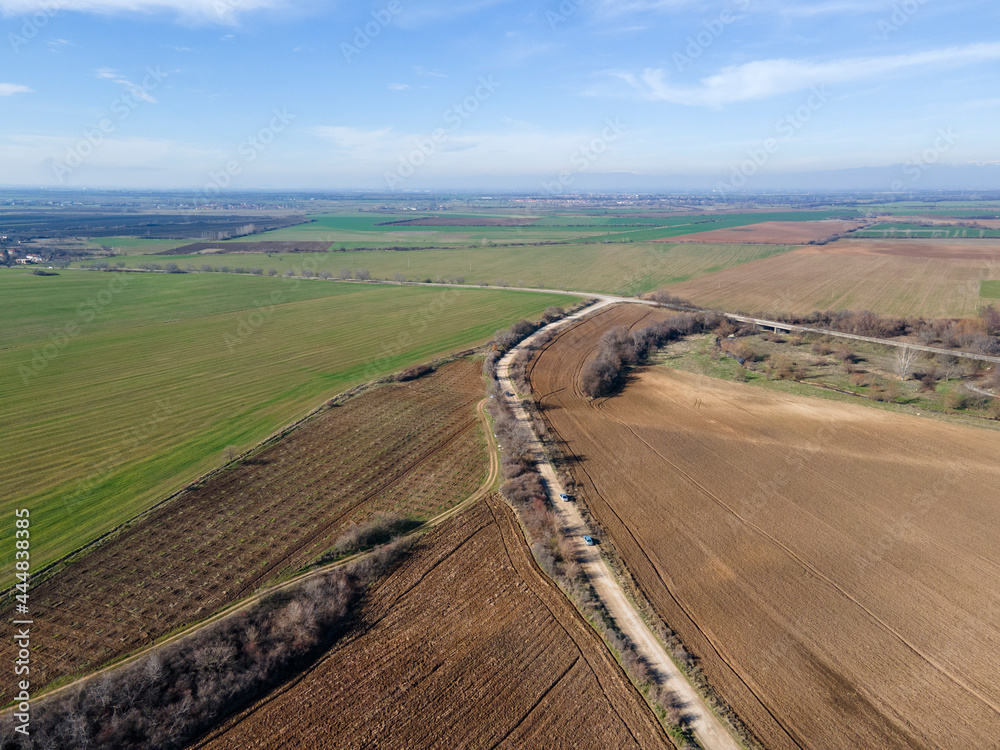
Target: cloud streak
9	89
211	11
764	79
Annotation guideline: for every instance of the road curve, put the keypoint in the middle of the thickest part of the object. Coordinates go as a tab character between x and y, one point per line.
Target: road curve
707	727
238	606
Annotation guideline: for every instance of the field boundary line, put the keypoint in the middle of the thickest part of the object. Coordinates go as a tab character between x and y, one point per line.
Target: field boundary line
236	607
51	568
708	728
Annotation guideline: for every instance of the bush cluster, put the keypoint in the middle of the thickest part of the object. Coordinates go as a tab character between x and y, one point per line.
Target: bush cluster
619	349
166	699
412	373
980	335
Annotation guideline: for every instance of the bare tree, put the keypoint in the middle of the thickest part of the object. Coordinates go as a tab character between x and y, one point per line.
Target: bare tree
363	274
949	364
230	453
400	277
345	273
904	361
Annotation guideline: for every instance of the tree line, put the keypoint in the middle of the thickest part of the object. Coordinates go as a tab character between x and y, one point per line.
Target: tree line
169	697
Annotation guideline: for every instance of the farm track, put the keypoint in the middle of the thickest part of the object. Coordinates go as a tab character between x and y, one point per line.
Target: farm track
401	474
710	732
482	492
467	644
269	516
834	567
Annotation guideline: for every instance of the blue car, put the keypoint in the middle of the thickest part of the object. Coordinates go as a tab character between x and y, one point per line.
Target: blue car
590	541
563	496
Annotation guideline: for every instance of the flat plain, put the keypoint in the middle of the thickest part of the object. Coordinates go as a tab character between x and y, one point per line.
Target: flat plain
852	275
834	567
465	645
412	448
125	387
776	232
613	267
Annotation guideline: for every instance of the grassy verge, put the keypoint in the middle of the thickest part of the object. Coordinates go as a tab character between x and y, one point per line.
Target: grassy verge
870	381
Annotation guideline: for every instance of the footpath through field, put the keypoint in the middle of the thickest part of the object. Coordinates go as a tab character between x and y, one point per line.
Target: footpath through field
484	489
707	727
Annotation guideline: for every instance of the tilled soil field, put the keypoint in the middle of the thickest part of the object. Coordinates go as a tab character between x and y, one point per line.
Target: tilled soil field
774	232
413	448
945	249
827	279
466	645
836	568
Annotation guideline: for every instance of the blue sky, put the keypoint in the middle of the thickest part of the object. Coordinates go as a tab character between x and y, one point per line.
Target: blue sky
410	94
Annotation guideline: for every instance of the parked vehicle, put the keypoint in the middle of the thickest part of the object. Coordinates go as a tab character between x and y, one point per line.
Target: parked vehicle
590	541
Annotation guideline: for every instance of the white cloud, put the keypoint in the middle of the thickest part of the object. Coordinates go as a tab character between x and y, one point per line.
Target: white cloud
399	86
9	89
212	11
627	7
763	79
421	71
139	92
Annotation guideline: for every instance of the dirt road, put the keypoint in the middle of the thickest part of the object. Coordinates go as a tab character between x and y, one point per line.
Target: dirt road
707	728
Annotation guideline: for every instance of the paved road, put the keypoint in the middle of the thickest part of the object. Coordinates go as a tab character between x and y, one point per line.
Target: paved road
885	342
707	727
610	298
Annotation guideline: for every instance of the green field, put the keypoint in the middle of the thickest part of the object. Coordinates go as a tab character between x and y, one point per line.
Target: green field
989	290
375	230
121	388
626	268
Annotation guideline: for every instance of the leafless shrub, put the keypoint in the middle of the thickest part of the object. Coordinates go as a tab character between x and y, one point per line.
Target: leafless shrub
379	529
412	373
164	700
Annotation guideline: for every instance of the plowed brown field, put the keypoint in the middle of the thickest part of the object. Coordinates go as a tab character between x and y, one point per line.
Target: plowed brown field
413	448
773	232
466	645
835	567
805	280
954	250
